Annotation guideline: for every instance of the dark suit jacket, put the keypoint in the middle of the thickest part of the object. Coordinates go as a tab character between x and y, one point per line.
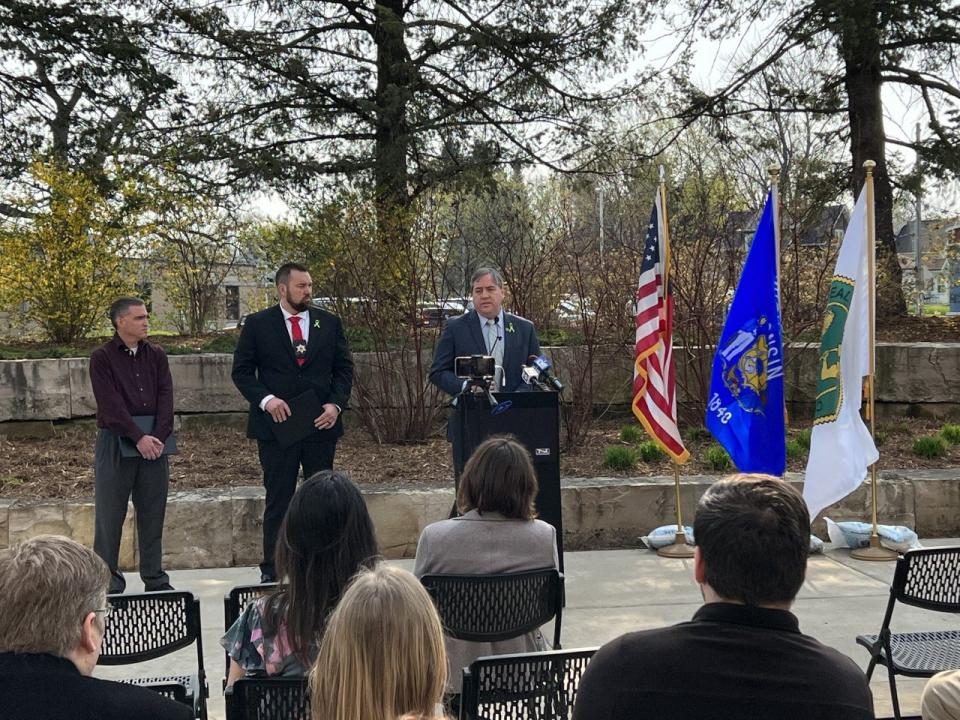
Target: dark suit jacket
44	687
463	336
731	662
264	364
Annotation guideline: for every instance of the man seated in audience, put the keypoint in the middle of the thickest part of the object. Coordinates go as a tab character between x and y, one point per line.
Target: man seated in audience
742	655
941	697
54	595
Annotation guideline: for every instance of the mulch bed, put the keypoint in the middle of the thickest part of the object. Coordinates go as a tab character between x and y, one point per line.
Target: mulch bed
62	466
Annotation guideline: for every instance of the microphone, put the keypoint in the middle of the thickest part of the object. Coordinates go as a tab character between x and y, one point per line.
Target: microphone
543	366
531	376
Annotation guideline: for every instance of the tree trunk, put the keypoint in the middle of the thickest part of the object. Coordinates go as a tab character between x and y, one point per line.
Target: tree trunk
860	48
394	76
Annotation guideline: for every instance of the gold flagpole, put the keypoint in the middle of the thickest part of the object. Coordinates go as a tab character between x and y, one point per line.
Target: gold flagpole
679	548
876	551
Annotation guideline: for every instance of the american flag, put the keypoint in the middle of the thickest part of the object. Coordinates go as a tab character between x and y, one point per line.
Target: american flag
654	382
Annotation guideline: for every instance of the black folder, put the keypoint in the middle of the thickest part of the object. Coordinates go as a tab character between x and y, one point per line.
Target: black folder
128	448
304	409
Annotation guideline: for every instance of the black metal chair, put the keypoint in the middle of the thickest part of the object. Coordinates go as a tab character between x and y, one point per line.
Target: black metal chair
150	625
273	698
233	604
927	578
526	686
491	608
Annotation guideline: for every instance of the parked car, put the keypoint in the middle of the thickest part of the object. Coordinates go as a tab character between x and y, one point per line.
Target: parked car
434	315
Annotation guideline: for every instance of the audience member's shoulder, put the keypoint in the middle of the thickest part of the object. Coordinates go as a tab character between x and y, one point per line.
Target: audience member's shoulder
119	700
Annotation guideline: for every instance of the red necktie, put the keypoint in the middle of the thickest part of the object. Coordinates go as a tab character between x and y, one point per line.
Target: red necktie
297	336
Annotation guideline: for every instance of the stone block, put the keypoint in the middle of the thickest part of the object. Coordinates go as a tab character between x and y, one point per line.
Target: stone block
936	502
5	506
34	389
82	401
895	502
918	373
400	515
247	526
202	384
198	530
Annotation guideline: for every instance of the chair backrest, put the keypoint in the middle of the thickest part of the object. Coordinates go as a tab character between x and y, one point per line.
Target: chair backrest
268	699
929	578
526	686
149	625
236	600
490	608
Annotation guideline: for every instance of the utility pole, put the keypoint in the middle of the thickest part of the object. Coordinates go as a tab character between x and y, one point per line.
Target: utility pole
918	255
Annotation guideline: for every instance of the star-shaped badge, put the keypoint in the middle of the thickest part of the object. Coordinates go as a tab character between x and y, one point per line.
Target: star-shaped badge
301	348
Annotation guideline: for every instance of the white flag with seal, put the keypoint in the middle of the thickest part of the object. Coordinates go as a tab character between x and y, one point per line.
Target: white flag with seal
841	447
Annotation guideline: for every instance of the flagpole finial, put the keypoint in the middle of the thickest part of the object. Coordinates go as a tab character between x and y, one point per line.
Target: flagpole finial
663	174
774	172
869	165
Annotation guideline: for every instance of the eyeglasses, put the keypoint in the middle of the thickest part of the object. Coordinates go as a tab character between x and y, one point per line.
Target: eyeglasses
106	611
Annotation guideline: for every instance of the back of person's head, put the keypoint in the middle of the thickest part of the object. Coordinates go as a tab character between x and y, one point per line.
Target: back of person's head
48	586
326	536
382	654
753	534
499	477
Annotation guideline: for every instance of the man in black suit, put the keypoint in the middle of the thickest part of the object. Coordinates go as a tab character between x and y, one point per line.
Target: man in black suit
485	330
284	351
54	594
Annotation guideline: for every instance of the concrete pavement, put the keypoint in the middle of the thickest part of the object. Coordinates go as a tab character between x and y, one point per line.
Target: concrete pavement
610	592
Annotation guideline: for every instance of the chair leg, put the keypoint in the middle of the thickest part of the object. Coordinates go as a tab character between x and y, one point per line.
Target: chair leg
893	692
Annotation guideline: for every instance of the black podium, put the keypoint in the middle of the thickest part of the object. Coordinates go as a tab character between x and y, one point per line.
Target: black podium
534	419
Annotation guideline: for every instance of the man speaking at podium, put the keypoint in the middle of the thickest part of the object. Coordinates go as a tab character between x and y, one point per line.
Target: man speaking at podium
485	330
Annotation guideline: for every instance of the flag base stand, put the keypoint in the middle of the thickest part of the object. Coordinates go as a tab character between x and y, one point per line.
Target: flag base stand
875	553
679	549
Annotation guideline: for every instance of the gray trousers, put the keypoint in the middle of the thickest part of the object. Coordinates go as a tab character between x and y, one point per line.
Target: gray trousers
116	477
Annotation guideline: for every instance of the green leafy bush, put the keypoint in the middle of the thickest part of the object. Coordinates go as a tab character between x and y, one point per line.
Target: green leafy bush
931	446
951	433
696	433
225	343
631	434
617	457
879	437
795	449
717	458
649	451
803	438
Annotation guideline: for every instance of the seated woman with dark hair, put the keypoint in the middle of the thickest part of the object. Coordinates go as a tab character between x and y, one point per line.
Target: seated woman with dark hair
496	533
326	537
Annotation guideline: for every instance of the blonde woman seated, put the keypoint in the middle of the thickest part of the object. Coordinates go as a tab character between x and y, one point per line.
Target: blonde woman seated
382	654
496	533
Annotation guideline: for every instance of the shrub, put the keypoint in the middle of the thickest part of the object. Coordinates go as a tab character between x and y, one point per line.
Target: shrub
803	438
225	343
716	458
796	449
696	433
649	451
932	446
631	434
879	437
951	433
617	457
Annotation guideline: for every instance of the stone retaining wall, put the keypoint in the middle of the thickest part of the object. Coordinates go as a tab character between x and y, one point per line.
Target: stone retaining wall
910	377
221	528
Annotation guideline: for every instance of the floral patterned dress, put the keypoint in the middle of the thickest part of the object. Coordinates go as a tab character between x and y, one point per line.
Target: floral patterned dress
258	653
